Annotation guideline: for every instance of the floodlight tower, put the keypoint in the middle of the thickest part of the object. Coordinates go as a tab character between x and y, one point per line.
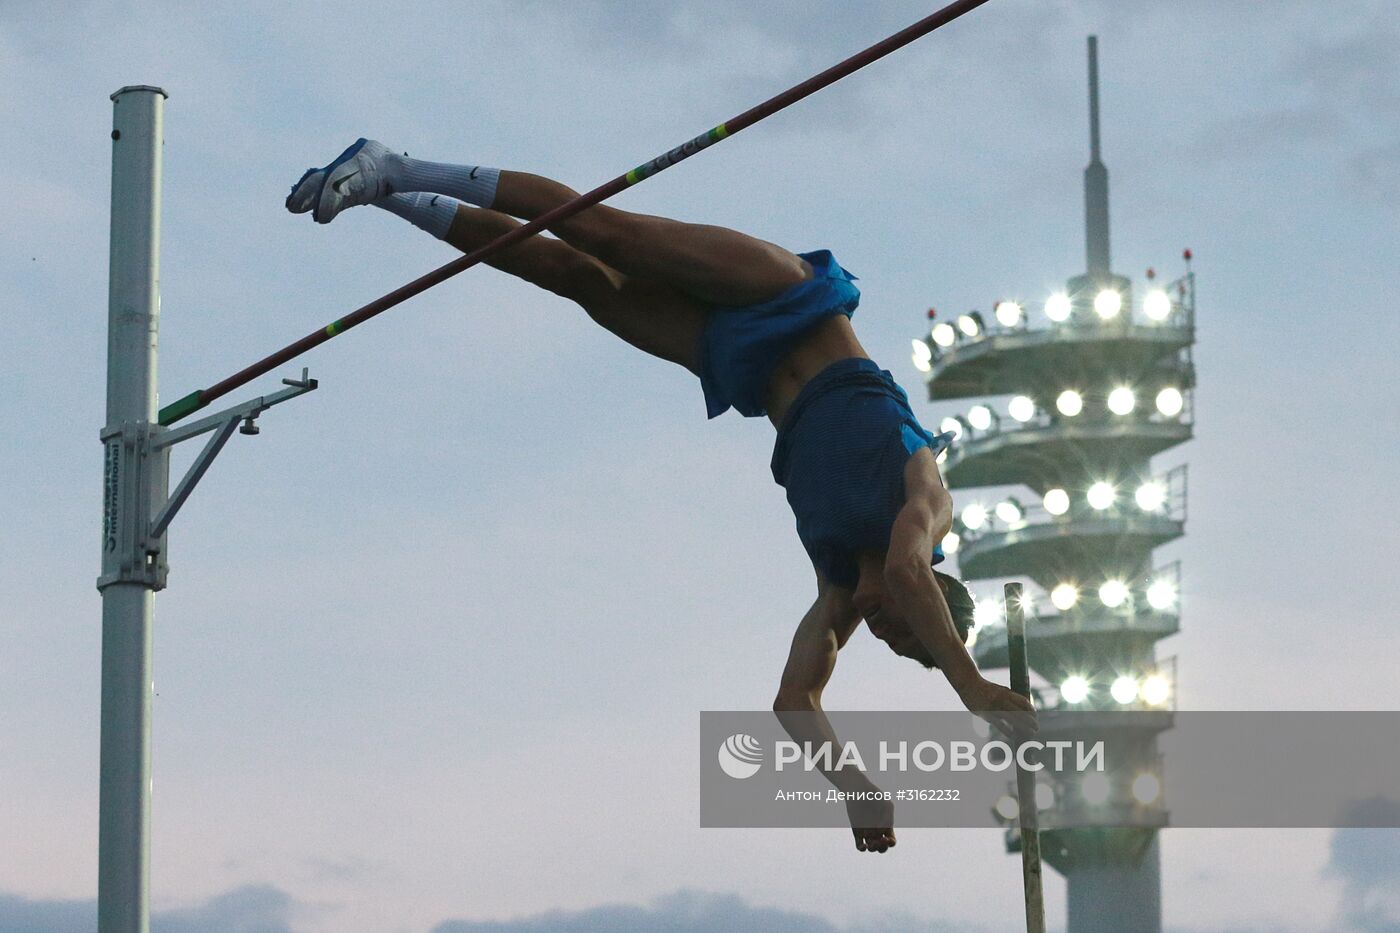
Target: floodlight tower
1096	390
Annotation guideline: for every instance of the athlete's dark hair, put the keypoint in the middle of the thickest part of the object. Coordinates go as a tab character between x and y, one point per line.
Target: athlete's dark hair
960	604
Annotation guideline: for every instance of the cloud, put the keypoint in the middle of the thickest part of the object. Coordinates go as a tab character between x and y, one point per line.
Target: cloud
1346	68
1335	94
1368	862
1378	171
350	870
685	912
1249	929
818	27
254	908
1230	138
19	913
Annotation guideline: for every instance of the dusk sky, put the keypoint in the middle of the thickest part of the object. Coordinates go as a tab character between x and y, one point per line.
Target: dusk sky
435	643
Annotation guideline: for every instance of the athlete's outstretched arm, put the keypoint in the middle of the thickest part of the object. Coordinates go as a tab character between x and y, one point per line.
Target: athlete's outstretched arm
812	658
923	522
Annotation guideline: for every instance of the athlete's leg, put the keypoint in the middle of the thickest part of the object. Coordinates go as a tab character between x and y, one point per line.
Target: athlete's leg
651	316
712	264
715	264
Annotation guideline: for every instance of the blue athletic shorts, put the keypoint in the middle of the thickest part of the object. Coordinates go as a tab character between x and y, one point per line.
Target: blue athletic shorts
840	455
740	346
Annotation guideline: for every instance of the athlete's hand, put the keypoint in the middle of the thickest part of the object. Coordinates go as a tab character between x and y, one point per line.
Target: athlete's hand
872	823
1010	712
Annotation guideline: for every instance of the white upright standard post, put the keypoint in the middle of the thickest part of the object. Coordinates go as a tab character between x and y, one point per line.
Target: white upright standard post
132	565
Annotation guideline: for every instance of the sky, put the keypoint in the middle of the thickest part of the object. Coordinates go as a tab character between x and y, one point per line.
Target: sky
435	642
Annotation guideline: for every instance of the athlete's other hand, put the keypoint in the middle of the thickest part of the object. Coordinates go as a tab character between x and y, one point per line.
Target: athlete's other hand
872	823
1010	712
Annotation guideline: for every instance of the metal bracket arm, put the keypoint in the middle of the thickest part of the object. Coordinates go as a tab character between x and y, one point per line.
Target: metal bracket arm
193	476
247	412
222	424
134	546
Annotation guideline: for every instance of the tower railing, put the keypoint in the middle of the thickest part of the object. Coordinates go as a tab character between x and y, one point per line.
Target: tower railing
1126	504
1180	313
1100	685
1046	421
1147	598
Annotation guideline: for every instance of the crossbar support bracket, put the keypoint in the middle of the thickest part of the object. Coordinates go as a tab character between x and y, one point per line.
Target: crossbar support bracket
144	449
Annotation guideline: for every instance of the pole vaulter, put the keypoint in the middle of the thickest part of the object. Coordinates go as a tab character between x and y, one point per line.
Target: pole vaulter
197	400
871	504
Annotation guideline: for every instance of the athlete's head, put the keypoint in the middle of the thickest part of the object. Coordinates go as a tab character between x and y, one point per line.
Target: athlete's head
886	623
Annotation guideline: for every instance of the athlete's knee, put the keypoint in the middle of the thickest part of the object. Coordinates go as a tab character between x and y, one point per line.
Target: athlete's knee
611	235
551	269
585	280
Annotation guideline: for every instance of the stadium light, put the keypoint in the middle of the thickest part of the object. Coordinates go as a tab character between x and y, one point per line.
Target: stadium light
974	516
1075	689
1102	495
1010	511
1095	788
1156	689
951	542
1161	595
1064	596
1070	403
1124	690
1044	796
1008	313
944	335
1056	501
1108	303
1151	496
1157	305
1146	789
970	324
980	417
951	425
1114	593
923	356
987	612
1021	408
1058	307
1122	401
1170	401
1007	808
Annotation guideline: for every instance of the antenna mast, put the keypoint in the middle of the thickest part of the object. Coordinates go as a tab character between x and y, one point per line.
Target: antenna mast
1095	182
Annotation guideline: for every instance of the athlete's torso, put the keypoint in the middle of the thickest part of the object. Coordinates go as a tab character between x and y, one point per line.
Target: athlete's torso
828	342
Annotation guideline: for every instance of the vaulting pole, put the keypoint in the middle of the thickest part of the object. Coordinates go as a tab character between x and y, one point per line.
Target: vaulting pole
197	400
1025	780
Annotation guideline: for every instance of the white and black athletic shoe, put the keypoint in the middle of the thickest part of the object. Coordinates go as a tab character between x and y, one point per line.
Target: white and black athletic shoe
356	177
305	191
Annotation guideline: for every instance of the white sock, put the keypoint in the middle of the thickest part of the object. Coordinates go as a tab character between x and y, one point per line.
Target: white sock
474	184
430	212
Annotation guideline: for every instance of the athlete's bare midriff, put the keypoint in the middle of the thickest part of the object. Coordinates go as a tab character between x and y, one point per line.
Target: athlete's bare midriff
829	342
